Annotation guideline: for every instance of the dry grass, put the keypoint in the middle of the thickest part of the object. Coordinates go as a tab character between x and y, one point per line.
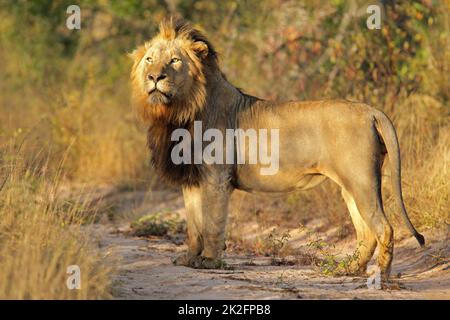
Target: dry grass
424	132
40	237
106	145
52	108
81	101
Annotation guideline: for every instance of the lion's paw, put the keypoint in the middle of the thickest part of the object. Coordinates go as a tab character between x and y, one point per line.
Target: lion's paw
208	263
182	260
199	262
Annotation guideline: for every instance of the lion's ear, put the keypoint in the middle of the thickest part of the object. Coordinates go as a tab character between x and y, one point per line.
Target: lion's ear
201	49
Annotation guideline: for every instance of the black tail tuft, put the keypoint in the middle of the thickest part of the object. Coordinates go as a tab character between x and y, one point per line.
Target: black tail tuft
420	238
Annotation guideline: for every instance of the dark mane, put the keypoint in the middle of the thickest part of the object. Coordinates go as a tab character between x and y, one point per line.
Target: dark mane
160	145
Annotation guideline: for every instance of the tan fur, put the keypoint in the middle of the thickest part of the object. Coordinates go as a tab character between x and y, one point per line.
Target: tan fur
340	140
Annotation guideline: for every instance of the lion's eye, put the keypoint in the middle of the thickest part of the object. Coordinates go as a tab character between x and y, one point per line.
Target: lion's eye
175	60
149	60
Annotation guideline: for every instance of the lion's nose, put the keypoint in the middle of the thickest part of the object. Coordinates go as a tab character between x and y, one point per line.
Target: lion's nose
156	78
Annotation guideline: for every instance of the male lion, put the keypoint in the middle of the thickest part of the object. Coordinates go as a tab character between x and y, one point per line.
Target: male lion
176	80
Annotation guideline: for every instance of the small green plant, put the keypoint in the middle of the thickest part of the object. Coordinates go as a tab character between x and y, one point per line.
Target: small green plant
275	244
328	263
158	224
324	256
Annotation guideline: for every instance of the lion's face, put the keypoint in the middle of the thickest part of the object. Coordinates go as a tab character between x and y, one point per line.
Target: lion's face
169	73
165	73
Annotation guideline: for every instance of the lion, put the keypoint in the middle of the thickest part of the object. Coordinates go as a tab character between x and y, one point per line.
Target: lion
176	81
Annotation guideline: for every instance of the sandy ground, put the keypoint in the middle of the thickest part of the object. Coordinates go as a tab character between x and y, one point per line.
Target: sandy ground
144	269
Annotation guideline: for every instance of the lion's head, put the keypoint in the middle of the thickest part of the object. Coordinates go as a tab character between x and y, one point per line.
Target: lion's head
169	75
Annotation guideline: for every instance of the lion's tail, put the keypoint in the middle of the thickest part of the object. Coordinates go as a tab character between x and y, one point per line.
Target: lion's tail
387	132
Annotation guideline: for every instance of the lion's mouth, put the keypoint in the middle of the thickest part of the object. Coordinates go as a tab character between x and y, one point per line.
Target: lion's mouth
155	90
156	96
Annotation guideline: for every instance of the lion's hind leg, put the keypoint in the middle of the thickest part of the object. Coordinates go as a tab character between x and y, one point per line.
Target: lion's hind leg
366	240
369	204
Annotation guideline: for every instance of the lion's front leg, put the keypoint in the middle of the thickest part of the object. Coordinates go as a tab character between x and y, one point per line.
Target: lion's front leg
193	204
215	214
207	211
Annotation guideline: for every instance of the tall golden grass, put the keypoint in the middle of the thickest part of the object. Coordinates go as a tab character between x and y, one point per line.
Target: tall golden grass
107	146
41	236
61	122
423	127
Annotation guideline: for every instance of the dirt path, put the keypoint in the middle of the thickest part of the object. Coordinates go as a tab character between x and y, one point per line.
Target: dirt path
145	271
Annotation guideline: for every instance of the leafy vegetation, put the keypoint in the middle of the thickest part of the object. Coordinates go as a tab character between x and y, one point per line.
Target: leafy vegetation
158	224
